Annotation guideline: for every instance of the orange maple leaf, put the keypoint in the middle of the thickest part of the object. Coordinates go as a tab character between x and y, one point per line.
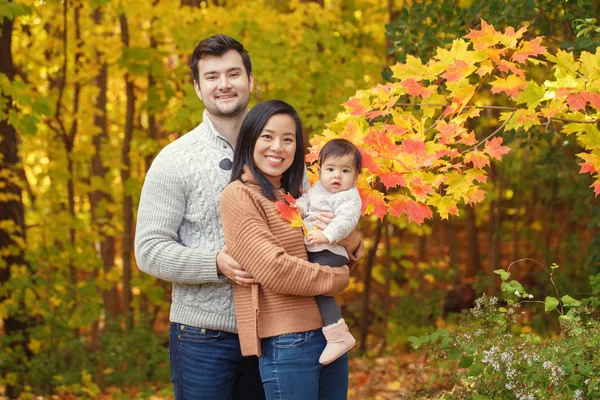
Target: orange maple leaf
416	212
495	149
484	38
478	159
369	159
587	167
288	197
528	49
578	101
457	71
355	106
373	201
596	186
289	213
415	88
392	179
447	132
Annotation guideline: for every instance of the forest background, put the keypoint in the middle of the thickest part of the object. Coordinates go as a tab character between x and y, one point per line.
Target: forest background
92	90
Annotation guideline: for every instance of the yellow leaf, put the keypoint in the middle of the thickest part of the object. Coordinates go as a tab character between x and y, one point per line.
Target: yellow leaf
34	345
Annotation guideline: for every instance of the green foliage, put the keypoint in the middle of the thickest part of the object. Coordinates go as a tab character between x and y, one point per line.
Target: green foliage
494	354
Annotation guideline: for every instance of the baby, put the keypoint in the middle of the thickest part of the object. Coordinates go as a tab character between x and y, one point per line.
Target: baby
340	163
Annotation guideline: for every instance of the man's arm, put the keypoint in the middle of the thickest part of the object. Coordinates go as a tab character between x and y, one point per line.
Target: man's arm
160	214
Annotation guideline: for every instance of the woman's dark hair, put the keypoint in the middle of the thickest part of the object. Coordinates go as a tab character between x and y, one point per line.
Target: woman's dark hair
217	45
339	148
253	125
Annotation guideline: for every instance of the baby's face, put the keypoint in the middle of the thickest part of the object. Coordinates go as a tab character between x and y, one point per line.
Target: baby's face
338	173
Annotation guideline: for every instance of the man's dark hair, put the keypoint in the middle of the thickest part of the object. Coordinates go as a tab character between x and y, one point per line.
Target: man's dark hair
217	45
340	148
252	127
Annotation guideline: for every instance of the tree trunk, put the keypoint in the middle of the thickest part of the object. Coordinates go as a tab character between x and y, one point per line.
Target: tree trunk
127	241
99	199
12	211
474	260
364	320
388	229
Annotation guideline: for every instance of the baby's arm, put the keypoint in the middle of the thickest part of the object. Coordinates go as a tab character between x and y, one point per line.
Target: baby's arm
347	214
302	204
316	237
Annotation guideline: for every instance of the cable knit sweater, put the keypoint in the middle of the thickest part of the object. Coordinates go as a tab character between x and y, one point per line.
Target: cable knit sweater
274	253
179	233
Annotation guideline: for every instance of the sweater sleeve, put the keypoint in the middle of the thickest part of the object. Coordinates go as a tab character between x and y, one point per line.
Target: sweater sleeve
252	244
160	214
347	214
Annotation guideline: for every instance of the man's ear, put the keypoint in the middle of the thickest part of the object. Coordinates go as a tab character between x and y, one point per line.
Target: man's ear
197	89
251	81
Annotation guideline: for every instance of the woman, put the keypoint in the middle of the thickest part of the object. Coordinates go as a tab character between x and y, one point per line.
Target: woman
278	319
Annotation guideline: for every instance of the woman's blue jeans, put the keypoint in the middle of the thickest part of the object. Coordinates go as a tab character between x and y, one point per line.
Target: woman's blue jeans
208	365
290	369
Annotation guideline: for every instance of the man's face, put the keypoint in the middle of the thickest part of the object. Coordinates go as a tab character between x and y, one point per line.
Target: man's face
224	86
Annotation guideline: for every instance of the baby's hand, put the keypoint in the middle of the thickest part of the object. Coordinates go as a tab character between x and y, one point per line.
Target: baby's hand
298	208
316	237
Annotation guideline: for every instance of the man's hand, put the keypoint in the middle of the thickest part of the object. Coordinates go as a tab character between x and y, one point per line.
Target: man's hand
316	237
228	267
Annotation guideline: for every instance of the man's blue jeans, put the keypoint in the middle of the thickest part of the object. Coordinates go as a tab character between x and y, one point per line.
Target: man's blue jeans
290	368
208	365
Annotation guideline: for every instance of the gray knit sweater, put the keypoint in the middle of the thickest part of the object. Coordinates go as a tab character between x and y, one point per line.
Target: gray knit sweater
179	230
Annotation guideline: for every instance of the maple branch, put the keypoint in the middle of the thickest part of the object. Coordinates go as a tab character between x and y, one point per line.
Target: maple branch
491	134
593	121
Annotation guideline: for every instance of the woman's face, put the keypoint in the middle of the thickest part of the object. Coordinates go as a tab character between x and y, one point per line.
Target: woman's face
276	146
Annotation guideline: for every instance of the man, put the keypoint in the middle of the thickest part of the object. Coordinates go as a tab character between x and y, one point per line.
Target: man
179	236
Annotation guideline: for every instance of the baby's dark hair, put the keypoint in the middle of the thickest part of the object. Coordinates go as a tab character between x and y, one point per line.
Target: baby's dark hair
340	148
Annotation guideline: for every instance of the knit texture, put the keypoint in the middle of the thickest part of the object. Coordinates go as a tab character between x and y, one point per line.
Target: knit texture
179	232
346	205
274	254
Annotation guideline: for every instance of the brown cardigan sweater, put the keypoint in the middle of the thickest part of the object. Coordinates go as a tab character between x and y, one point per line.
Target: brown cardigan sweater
265	245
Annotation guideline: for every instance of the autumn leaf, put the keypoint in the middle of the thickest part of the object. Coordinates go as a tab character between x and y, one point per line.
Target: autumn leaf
288	197
355	106
512	85
495	149
578	101
415	212
528	49
289	214
415	88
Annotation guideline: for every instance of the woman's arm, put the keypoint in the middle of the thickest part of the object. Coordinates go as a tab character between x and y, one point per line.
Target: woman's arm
252	244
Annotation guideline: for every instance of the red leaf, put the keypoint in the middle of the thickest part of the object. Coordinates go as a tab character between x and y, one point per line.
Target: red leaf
415	147
290	199
456	72
355	106
289	213
374	200
415	88
420	189
596	187
587	167
392	179
478	159
495	149
369	159
527	49
447	132
416	212
578	101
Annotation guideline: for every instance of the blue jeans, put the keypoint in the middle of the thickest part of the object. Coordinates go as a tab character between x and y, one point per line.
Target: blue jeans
207	364
290	369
